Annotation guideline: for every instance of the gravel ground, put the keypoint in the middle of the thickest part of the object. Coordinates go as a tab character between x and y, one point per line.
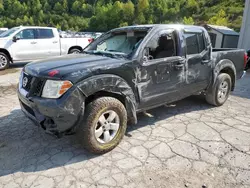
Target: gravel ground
186	144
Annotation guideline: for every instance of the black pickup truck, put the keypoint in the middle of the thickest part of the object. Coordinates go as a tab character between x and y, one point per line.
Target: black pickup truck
125	71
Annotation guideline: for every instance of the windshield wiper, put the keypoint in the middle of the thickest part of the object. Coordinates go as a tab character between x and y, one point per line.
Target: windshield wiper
105	53
114	51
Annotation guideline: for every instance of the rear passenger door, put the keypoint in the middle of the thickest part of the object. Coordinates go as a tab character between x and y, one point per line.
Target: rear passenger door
199	62
48	44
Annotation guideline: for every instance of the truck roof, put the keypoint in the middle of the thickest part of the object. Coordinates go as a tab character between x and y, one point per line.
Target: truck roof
41	27
174	26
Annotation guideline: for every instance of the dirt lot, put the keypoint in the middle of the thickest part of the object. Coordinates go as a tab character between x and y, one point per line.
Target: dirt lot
187	144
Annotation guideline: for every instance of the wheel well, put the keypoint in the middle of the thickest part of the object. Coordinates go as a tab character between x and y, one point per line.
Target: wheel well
99	94
6	52
75	47
230	72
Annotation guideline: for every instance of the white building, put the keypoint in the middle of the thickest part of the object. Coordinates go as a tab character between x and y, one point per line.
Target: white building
244	41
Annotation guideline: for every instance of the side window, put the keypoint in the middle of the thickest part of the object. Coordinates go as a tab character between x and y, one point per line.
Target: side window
213	38
45	33
162	46
192	43
195	43
201	42
26	34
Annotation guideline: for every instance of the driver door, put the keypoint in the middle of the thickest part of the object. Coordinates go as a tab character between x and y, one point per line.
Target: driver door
162	71
25	47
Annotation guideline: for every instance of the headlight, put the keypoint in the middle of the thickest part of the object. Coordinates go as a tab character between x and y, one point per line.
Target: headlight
54	89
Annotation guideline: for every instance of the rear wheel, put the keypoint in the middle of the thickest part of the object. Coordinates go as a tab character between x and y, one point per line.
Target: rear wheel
75	51
219	94
4	61
104	126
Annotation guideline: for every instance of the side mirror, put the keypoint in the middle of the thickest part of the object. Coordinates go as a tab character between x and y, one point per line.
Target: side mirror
15	39
146	55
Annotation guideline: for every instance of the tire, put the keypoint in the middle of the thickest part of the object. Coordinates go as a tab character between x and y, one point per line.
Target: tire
75	51
219	93
89	130
4	61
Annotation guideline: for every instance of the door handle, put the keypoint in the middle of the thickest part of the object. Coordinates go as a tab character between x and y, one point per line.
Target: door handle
180	65
205	62
55	42
33	42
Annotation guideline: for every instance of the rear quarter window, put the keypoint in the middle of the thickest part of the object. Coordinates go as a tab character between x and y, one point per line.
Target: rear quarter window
195	43
45	33
201	41
191	43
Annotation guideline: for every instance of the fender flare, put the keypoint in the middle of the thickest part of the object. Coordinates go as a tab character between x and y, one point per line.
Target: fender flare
112	84
222	64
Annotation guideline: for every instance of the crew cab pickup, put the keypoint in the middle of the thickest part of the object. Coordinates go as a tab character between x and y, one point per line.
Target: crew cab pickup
125	71
25	44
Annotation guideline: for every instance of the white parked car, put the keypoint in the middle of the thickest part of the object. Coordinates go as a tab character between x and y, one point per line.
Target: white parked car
3	30
25	44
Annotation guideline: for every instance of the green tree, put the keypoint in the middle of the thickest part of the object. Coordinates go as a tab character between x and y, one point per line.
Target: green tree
142	11
128	13
59	9
219	19
102	15
76	7
1	7
65	5
46	7
188	21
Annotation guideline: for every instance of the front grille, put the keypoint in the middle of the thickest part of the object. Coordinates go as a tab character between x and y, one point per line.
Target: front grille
32	85
38	87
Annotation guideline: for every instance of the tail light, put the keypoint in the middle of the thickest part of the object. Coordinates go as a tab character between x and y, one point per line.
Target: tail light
90	40
245	60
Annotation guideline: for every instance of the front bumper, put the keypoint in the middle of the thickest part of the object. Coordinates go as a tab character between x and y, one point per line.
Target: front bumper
56	116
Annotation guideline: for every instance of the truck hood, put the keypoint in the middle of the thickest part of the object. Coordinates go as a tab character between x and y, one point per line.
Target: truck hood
71	67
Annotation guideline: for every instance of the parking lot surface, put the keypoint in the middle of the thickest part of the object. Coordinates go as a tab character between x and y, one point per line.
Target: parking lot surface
185	144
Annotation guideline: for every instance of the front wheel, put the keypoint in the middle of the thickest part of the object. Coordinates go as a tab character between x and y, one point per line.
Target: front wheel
104	126
219	93
75	51
4	61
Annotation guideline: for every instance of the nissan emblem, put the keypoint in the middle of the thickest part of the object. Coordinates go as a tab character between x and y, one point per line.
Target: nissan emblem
25	81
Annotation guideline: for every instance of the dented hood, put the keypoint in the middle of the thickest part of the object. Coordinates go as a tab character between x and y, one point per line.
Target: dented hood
71	67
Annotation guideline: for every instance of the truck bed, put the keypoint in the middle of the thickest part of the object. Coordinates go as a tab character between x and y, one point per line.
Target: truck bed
234	55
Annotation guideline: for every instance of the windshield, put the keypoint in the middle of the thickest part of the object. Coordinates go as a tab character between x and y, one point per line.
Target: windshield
9	32
118	43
